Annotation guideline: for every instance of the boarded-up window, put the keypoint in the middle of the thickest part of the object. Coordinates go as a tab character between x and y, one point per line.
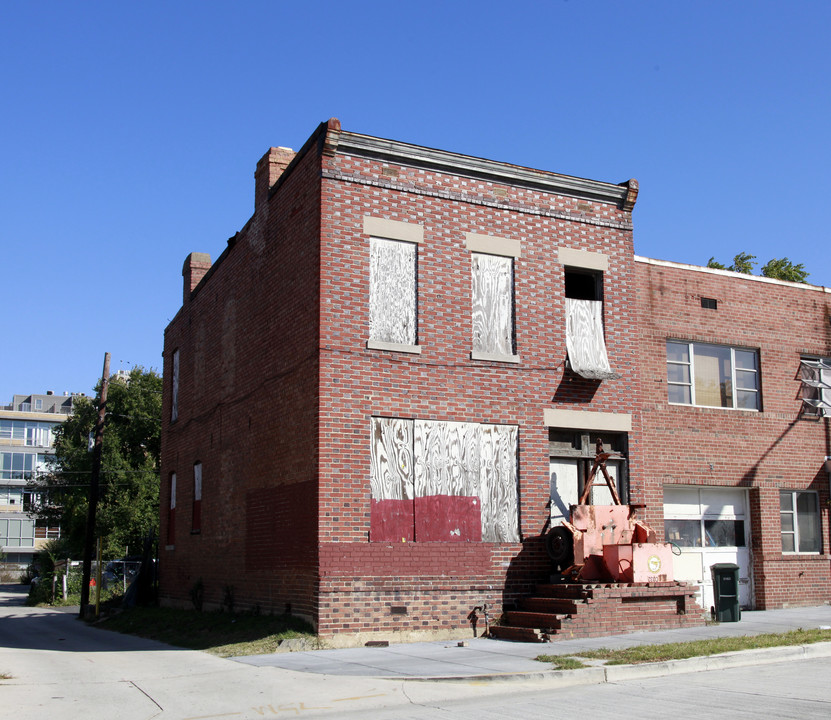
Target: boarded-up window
171	515
197	498
174	395
499	484
391	479
392	291
447	504
443	481
493	304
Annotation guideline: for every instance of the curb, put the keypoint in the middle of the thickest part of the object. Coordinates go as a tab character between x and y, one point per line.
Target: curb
620	673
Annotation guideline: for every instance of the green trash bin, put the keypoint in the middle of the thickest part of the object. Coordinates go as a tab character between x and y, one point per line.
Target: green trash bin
726	592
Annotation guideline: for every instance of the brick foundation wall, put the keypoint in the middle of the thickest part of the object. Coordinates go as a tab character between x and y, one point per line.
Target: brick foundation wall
380	587
765	451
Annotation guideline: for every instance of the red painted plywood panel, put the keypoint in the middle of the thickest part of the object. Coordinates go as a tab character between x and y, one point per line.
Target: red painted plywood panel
448	518
391	521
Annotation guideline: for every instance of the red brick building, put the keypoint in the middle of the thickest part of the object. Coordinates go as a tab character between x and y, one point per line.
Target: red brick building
387	387
735	432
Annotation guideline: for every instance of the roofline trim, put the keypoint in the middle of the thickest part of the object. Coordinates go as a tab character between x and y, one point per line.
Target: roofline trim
445	161
729	273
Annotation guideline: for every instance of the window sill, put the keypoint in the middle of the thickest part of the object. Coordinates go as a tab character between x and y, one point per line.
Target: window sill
713	407
393	347
493	357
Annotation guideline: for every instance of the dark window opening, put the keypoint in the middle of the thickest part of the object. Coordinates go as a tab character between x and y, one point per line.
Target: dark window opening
580	445
583	284
709	303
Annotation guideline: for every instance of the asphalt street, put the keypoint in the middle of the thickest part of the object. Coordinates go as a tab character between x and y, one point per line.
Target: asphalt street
58	667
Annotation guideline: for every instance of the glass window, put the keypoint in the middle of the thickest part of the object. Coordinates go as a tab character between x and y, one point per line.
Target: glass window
17	466
712	375
799	516
684	533
17	533
724	533
392	291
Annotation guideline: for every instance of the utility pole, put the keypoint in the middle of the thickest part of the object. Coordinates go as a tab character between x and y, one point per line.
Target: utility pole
93	486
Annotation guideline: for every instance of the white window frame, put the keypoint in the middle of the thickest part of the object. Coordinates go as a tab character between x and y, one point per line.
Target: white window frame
17	541
691	345
794	513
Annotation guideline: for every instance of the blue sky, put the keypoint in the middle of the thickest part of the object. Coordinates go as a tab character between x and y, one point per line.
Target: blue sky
130	134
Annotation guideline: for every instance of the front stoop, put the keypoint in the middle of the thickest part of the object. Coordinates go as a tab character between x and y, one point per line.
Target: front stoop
578	610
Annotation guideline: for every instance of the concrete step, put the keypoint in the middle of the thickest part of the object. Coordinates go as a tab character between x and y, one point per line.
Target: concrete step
558	606
543	621
517	634
566	590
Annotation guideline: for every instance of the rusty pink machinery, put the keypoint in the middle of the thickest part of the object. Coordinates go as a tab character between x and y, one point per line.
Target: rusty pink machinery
608	542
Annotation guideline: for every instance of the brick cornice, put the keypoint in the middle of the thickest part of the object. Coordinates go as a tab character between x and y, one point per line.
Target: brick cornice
458	196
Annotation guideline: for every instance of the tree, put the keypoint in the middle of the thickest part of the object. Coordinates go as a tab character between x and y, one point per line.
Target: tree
779	269
128	505
742	263
784	269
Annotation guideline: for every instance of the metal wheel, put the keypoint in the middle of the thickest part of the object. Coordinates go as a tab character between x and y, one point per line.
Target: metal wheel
559	544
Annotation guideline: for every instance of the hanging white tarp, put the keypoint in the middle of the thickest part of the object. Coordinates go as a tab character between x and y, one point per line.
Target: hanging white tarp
584	339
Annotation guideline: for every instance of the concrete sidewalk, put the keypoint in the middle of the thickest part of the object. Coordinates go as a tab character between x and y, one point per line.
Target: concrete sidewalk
493	659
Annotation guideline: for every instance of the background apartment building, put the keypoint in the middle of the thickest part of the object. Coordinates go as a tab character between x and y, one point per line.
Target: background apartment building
26	443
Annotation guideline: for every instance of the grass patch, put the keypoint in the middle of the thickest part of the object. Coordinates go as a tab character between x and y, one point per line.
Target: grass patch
219	633
699	648
562	662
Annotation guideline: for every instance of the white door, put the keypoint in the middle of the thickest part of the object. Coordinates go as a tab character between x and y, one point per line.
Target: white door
600	490
563	489
710	525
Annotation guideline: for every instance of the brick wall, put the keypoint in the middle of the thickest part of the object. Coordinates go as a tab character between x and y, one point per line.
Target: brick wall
763	451
439	583
248	397
277	390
